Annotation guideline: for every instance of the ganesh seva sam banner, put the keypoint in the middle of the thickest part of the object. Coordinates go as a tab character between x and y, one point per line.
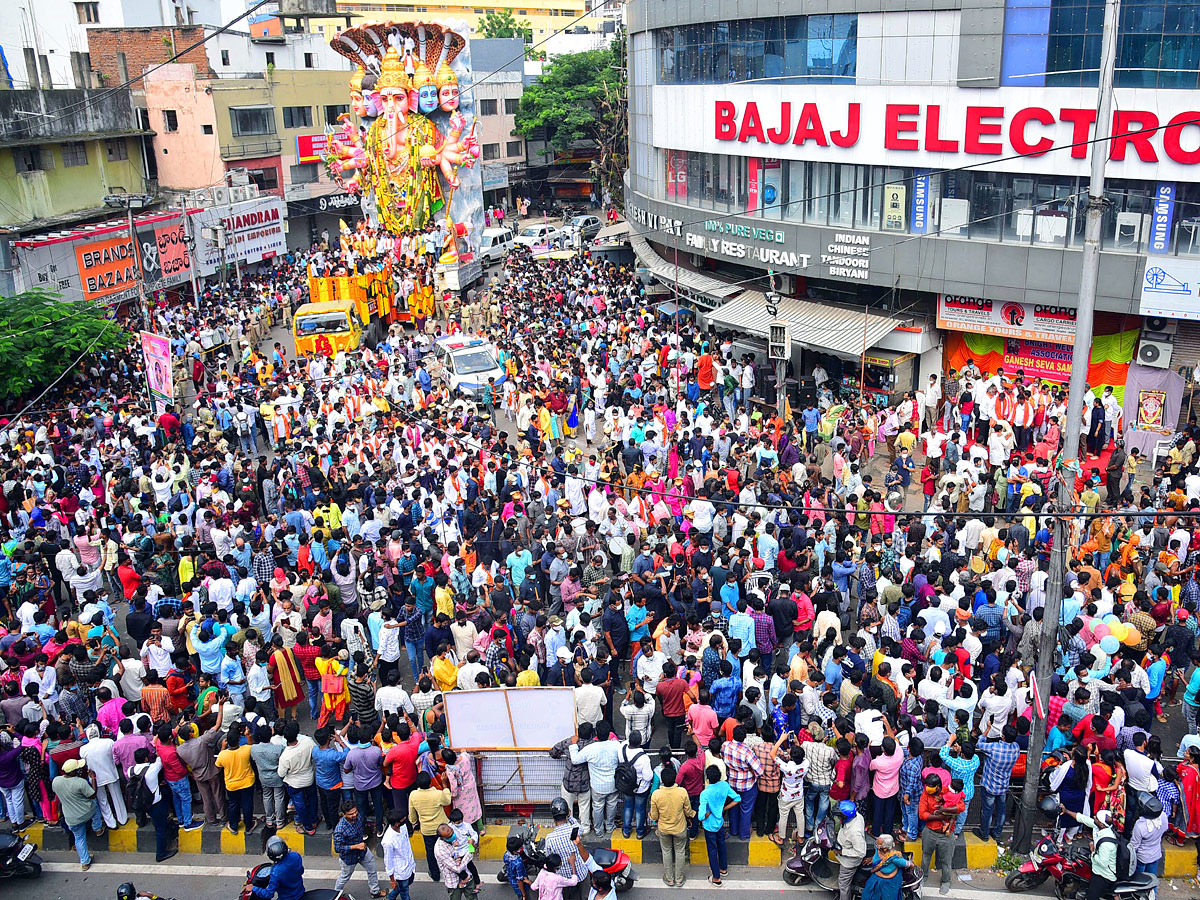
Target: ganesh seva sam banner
1038	359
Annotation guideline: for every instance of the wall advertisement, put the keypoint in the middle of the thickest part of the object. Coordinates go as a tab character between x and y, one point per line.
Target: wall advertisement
1009	318
253	232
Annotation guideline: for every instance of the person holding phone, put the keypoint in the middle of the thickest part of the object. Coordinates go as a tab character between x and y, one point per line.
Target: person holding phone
564	841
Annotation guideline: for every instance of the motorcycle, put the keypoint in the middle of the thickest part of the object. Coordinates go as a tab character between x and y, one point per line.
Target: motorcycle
260	877
614	862
812	861
1070	865
18	857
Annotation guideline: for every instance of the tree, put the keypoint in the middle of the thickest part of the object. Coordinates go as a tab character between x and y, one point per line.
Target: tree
582	97
41	337
502	24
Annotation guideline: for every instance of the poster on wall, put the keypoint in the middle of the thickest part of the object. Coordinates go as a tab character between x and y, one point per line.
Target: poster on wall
1151	405
1007	318
156	351
1041	360
895	197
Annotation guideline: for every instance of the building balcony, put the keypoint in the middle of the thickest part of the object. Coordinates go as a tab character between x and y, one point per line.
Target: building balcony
251	149
48	117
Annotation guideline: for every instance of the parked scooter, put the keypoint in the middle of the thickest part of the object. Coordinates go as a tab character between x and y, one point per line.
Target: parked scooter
18	857
615	862
1070	865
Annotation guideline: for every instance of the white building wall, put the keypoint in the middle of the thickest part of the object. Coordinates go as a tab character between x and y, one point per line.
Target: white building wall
918	47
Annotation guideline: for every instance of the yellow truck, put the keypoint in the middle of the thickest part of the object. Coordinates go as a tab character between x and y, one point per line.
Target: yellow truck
371	293
327	328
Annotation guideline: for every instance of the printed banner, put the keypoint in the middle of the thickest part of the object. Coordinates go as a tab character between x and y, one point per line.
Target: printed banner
164	252
1042	360
156	351
310	148
1007	318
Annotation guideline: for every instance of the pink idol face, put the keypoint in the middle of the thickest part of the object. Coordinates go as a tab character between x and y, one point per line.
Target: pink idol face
448	97
357	103
395	102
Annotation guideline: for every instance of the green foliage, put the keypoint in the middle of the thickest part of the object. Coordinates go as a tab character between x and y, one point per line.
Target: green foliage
41	336
503	24
1007	861
581	98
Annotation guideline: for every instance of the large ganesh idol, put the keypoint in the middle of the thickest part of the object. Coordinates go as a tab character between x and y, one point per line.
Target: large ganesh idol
410	146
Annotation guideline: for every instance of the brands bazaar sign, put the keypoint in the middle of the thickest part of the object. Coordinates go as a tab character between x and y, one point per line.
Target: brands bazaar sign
1009	318
253	232
1157	133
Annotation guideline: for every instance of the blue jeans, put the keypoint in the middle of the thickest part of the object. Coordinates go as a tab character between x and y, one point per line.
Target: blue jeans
635	804
181	794
741	816
416	657
314	699
816	806
961	822
305	801
992	820
80	833
400	891
912	824
718	859
1150	867
370	804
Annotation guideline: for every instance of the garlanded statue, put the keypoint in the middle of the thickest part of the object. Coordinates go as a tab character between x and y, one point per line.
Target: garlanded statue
411	137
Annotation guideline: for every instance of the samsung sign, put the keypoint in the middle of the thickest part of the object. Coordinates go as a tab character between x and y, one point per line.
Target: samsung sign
1159	243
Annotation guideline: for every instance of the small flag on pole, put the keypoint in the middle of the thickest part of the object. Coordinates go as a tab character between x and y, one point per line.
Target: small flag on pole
1037	700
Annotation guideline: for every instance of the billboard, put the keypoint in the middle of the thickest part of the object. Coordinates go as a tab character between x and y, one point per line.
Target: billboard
164	254
410	146
253	232
156	352
107	267
310	148
1009	318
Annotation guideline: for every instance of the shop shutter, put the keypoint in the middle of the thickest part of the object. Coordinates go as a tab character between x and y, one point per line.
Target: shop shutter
1185	357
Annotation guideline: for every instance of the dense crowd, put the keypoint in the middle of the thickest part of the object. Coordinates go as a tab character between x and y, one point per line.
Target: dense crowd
262	595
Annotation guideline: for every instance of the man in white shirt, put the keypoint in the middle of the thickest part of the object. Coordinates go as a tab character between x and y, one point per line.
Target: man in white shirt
398	860
1143	772
589	699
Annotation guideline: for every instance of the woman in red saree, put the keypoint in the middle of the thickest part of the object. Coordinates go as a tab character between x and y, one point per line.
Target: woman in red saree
1189	789
287	681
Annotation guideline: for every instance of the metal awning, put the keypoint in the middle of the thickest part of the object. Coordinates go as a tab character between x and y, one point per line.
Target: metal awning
609	232
836	329
668	273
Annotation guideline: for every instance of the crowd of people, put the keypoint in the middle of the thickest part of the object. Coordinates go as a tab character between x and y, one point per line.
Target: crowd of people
263	595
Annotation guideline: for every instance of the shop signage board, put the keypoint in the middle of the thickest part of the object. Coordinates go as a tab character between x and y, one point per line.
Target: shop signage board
1170	287
253	232
1009	318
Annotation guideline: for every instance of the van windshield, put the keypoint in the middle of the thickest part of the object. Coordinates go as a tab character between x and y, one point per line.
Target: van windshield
469	362
322	323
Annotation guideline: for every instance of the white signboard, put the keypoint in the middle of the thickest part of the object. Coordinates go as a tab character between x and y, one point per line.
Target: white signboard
253	232
1171	288
933	127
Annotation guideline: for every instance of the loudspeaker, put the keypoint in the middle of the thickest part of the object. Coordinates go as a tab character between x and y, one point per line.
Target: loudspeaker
806	391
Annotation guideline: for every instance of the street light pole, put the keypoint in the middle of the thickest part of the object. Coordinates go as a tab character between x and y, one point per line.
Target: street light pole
1080	354
147	324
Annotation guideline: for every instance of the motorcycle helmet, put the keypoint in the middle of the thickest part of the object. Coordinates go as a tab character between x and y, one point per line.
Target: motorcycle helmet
127	891
559	808
1049	806
276	849
848	808
1152	807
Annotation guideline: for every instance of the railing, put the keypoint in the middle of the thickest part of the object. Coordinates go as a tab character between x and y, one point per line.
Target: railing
246	150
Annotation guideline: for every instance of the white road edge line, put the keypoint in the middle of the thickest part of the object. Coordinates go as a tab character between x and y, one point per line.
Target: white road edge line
646	882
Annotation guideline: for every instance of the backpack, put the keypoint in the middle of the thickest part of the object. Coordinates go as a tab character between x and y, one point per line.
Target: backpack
1126	862
138	793
625	778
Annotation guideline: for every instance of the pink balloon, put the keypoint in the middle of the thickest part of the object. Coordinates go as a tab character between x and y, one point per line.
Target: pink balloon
1100	630
1089	639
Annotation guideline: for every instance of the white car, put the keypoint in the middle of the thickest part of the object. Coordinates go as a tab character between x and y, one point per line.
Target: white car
537	237
495	243
466	363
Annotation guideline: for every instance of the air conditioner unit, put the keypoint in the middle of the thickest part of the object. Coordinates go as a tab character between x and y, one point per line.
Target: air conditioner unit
1159	325
251	191
1154	353
239	194
220	196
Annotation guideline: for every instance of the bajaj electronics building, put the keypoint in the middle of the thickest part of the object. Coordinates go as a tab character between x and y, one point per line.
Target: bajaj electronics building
913	175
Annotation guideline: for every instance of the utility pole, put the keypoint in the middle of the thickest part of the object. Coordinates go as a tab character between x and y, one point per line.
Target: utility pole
1080	353
191	243
147	324
220	228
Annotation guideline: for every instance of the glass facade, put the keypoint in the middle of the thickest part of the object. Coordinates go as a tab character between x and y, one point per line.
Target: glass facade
1035	210
782	49
1158	44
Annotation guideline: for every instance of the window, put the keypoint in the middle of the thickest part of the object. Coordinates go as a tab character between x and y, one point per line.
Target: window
487	107
74	153
224	57
122	67
247	120
297	117
510	105
334	110
491	151
116	149
88	13
479	12
266	179
170	120
514	148
305	173
310	60
206	129
270	58
29	159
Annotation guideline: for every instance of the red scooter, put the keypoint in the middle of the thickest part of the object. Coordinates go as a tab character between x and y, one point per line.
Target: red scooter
1071	868
615	862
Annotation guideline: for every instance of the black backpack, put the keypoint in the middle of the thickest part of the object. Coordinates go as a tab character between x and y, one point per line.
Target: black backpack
138	794
1126	861
626	777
